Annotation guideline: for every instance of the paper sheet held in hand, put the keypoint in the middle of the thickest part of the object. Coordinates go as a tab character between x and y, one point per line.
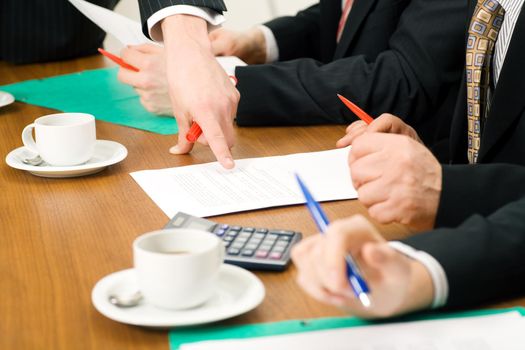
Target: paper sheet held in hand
129	32
208	189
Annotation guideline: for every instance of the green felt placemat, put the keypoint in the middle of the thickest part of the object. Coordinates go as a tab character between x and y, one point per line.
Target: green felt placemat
96	92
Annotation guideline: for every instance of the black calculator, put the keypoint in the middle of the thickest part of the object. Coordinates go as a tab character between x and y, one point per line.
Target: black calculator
248	247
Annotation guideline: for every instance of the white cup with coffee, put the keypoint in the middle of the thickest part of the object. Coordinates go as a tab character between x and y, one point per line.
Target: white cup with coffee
62	139
177	268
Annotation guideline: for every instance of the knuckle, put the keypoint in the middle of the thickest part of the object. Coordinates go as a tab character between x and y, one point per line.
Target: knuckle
297	253
300	280
406	158
364	198
336	226
382	216
149	64
146	83
236	96
151	108
359	219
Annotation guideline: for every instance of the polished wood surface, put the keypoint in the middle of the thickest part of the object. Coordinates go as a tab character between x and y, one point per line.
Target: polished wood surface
60	236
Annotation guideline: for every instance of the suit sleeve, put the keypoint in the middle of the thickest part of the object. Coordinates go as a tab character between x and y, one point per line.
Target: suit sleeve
409	79
483	258
477	189
149	7
299	35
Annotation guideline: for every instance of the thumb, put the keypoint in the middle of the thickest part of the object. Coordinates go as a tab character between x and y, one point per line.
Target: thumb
183	146
219	46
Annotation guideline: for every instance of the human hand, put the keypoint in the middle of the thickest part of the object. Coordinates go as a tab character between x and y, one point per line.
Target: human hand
150	82
199	88
385	123
396	178
249	46
397	284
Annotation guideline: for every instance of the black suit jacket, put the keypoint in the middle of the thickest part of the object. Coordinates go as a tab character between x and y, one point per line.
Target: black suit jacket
500	176
396	56
149	7
484	258
39	31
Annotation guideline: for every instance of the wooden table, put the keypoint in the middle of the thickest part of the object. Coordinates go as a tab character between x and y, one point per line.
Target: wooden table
60	236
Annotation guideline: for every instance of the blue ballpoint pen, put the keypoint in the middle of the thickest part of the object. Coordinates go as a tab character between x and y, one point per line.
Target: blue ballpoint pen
357	282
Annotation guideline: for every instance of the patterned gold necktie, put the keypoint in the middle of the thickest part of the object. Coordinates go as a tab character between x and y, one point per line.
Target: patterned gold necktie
482	35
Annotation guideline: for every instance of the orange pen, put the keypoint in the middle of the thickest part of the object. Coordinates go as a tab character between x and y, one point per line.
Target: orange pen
118	60
358	111
195	130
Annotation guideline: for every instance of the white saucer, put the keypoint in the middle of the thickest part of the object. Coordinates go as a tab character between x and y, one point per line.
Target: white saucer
105	154
6	98
238	291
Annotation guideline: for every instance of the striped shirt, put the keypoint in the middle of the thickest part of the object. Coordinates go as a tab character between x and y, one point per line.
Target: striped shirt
512	11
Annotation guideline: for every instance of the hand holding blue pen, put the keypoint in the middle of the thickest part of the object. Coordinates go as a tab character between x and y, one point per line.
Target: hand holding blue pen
355	279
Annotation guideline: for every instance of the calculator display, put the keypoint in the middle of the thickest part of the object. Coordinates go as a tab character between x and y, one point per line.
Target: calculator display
199	225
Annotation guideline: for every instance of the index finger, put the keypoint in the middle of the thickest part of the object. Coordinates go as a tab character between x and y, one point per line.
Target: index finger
216	138
342	238
352	132
357	123
183	146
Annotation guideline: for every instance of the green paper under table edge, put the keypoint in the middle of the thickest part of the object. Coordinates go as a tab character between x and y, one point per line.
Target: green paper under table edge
181	336
96	92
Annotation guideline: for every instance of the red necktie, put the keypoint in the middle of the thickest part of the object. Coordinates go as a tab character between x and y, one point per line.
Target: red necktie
344	17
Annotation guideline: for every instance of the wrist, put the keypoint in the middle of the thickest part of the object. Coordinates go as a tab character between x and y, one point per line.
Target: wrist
255	46
182	29
421	289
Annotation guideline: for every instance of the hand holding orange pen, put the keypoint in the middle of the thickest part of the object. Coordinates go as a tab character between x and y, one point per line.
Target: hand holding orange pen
195	130
118	60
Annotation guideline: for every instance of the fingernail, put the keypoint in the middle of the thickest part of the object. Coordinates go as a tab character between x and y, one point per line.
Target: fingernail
228	163
175	150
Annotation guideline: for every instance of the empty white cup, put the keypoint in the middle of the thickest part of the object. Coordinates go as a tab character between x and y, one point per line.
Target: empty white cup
177	268
62	139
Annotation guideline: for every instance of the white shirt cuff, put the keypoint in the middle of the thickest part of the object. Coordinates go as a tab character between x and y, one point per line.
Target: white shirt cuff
272	50
213	18
437	273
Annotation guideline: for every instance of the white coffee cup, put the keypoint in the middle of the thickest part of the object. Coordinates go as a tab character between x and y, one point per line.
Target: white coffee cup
177	268
62	139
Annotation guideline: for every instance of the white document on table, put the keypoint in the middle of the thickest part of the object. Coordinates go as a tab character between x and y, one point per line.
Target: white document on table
129	32
208	189
499	332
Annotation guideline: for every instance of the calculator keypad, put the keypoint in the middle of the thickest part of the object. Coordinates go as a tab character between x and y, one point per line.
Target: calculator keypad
254	248
253	242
